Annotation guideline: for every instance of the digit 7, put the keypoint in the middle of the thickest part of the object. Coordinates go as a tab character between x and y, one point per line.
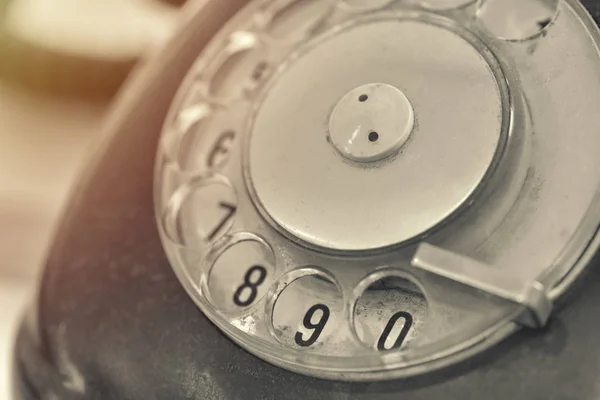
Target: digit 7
231	210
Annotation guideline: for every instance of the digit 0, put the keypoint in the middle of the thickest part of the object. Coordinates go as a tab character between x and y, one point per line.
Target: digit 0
408	321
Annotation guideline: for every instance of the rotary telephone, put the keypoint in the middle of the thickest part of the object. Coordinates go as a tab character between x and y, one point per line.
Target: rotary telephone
341	199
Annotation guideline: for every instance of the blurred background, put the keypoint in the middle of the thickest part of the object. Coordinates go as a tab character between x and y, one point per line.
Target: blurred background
61	64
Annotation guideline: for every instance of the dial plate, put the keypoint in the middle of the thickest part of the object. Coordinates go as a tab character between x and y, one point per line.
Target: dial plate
312	191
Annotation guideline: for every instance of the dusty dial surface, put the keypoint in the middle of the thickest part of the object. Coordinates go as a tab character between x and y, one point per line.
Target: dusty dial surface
373	189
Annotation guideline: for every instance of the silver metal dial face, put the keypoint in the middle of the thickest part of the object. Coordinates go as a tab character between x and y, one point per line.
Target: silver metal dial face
371	189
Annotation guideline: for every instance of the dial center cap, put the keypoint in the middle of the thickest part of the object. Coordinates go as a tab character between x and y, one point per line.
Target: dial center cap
371	122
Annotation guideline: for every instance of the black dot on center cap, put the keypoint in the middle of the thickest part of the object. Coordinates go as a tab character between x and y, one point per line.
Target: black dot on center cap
373	137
